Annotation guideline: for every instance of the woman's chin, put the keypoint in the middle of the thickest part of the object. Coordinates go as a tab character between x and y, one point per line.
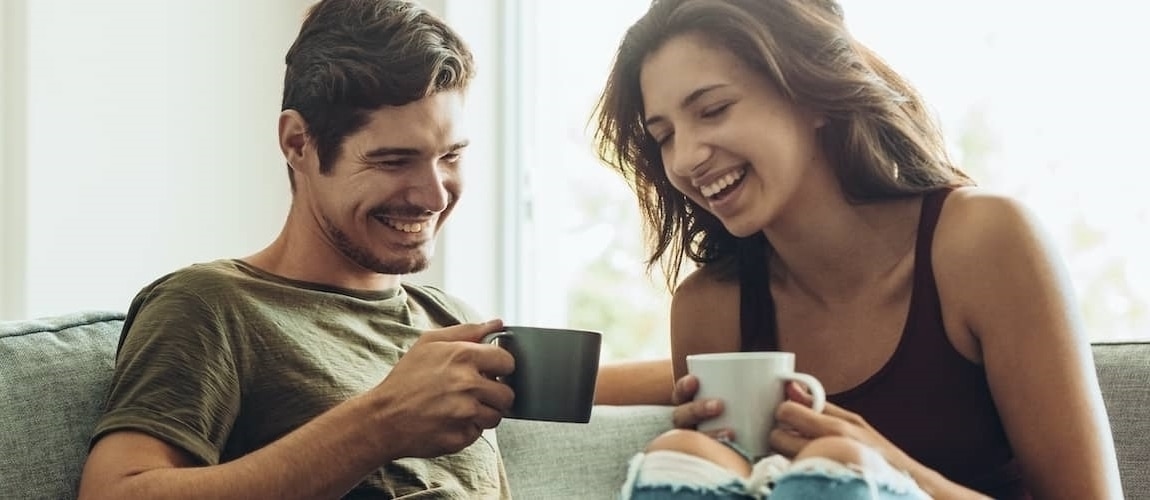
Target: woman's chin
741	229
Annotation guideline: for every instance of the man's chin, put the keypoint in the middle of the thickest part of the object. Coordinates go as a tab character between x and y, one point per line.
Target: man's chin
416	261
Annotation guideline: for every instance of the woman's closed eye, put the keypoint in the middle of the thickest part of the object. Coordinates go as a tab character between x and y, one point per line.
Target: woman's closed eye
715	111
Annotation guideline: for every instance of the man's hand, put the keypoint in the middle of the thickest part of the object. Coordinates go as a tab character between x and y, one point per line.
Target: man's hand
689	413
442	393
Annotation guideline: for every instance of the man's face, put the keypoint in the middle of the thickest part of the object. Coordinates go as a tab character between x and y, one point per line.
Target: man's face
391	186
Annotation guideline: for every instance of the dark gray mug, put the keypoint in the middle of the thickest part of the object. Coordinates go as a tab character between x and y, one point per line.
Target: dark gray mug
555	371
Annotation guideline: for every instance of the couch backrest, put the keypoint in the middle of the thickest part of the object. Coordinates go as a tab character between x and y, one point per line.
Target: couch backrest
53	377
1124	375
54	373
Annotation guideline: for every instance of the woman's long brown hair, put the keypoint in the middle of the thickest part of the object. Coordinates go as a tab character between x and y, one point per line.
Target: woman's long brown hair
879	135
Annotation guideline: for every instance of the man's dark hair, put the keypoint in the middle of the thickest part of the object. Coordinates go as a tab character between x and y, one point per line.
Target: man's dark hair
354	56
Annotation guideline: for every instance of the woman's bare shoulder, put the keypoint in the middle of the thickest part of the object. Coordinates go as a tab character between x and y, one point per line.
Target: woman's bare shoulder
978	224
704	315
990	251
705	292
706	281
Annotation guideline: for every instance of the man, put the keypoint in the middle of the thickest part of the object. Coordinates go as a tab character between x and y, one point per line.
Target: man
280	375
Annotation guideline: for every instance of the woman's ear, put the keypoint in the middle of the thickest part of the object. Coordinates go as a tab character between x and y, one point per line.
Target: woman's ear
293	139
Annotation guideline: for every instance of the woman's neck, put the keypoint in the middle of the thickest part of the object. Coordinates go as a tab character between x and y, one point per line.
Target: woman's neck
832	250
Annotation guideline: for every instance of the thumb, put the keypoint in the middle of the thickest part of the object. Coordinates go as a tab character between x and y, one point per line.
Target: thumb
685	389
464	332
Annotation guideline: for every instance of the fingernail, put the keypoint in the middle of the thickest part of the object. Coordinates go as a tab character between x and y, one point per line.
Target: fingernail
711	406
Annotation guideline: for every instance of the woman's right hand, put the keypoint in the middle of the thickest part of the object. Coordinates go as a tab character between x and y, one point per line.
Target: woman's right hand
689	412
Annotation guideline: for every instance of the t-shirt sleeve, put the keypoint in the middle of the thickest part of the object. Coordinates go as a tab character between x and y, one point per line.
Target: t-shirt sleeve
175	376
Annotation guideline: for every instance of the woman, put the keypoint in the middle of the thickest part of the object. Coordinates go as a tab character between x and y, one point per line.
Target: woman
810	185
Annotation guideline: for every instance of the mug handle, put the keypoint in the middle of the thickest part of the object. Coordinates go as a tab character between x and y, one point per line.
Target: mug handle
492	337
818	395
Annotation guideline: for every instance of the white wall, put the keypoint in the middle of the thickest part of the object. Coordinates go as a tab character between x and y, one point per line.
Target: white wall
148	143
138	136
12	148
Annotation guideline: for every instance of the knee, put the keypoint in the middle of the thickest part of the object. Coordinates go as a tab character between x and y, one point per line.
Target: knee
700	445
843	450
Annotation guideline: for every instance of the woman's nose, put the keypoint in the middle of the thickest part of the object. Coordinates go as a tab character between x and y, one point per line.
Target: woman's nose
688	154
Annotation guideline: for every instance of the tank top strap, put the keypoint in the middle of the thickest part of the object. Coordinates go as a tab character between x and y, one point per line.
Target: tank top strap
756	306
928	220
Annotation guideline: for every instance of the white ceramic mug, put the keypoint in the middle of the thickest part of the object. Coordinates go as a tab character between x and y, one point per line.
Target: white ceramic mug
751	386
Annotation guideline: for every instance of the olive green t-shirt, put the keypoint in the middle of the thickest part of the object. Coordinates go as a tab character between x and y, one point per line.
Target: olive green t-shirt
221	359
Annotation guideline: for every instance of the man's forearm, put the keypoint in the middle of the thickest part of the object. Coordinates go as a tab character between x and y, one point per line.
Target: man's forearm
635	383
324	458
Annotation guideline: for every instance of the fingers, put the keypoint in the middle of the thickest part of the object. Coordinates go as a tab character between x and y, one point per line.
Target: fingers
796	424
685	389
495	395
487	417
833	421
802	419
465	332
796	392
690	415
491	361
787	443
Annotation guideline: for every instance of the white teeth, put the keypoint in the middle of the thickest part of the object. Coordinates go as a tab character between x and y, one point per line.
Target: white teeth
407	227
722	183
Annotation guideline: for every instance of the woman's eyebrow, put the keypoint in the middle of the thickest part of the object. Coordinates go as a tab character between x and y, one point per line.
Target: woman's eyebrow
692	97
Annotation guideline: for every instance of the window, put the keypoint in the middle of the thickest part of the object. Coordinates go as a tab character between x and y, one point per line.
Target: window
1039	100
579	227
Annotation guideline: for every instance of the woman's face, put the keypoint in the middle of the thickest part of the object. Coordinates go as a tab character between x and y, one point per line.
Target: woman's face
728	139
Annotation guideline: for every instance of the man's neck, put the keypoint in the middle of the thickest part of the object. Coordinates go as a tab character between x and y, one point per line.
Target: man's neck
318	264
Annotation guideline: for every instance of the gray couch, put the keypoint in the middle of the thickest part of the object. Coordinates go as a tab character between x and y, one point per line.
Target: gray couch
53	374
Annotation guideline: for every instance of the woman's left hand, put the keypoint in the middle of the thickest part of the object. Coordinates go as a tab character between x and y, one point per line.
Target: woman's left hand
796	425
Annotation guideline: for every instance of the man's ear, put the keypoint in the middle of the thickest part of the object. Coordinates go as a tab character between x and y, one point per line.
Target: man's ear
294	140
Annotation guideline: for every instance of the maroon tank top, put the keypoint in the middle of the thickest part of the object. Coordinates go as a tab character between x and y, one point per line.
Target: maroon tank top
927	399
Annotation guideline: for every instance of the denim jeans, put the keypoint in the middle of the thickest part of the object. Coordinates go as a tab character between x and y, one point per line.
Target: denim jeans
673	475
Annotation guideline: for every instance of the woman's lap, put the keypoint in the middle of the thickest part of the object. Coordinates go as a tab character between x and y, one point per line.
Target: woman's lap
674	475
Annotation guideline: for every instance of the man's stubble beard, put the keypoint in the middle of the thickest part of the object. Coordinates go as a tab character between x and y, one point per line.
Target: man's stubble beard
364	258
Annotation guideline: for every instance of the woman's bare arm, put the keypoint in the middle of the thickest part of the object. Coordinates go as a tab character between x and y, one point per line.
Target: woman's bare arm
1004	280
634	383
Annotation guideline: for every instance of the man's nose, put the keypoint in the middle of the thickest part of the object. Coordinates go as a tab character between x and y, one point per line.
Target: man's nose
429	191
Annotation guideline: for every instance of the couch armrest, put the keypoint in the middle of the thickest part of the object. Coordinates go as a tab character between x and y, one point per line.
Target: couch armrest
547	460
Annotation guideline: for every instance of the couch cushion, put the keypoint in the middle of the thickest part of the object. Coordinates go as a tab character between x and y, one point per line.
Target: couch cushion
547	460
54	374
1124	374
560	460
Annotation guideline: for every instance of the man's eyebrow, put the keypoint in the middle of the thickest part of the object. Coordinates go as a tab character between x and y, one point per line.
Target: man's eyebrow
390	151
387	151
692	97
